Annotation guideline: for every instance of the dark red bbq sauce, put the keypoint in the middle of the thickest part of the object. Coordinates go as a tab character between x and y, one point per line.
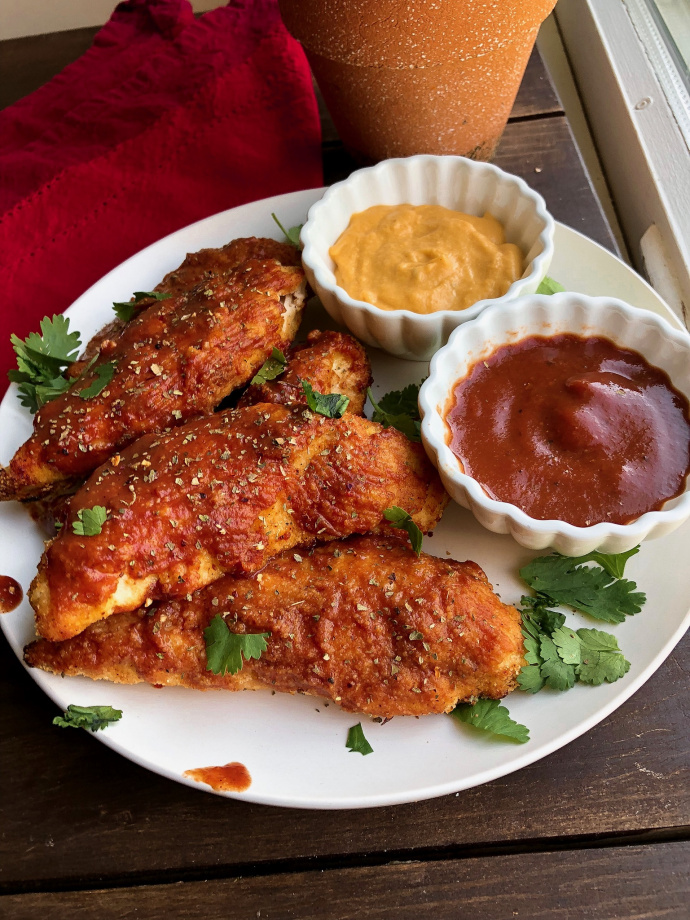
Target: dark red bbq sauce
572	429
233	777
10	594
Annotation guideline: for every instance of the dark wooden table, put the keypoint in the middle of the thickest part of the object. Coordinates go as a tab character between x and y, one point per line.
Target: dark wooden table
598	830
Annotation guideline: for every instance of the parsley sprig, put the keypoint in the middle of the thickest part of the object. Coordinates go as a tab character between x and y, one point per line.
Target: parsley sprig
601	591
332	405
90	521
490	716
356	742
127	310
399	409
224	649
271	368
93	718
291	235
41	361
398	517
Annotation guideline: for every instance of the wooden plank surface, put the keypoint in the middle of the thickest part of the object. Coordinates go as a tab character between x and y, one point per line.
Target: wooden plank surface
75	811
641	882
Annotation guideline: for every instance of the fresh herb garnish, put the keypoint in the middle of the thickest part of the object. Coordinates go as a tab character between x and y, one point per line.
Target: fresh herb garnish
561	580
224	649
398	517
104	374
125	311
291	235
271	368
490	716
558	656
93	718
90	521
332	405
41	360
549	286
356	742
399	409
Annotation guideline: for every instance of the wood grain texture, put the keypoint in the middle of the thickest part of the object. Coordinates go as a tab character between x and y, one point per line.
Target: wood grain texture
75	811
647	883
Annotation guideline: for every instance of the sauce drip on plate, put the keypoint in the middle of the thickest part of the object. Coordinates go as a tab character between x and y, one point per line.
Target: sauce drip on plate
572	429
11	594
233	777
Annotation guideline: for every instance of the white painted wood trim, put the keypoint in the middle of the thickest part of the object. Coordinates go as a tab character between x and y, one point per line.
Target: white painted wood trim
642	147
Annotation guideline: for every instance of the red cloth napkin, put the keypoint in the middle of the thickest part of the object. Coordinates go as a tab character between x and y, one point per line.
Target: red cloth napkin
164	120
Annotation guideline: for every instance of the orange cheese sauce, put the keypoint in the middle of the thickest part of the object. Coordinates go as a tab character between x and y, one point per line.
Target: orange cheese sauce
424	258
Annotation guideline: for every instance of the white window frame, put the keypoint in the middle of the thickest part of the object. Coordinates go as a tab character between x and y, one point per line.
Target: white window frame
641	141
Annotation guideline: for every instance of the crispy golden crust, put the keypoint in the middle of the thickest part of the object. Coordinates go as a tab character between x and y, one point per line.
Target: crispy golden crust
332	362
363	622
224	495
176	360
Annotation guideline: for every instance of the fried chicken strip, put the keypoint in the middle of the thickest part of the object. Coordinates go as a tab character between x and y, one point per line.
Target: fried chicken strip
363	622
175	360
224	495
332	362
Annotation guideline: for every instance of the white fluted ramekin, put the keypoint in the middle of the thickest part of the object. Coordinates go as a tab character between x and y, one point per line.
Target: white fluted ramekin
454	182
626	326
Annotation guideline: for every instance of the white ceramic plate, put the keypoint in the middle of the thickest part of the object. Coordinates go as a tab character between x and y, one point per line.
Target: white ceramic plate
294	747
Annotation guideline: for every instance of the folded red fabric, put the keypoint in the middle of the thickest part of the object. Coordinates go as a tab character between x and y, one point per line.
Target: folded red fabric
165	120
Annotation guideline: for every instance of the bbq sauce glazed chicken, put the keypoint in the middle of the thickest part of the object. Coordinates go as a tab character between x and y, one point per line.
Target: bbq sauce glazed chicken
224	495
176	359
362	622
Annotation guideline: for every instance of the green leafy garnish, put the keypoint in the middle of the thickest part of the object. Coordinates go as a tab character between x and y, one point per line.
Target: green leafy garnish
490	716
224	649
356	742
93	718
558	657
41	360
399	409
561	580
613	563
125	311
271	368
90	521
549	286
291	235
332	405
400	518
104	374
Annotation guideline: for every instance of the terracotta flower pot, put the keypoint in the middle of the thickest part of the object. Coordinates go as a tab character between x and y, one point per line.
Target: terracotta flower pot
425	76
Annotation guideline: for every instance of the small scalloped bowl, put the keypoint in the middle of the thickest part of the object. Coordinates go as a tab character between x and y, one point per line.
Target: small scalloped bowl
454	182
626	326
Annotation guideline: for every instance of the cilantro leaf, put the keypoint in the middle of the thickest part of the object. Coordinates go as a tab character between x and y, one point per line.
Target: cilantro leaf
549	286
93	718
398	517
613	563
125	311
41	360
90	521
562	581
602	660
490	716
291	235
556	673
529	679
569	645
271	368
104	374
332	405
356	742
224	650
399	409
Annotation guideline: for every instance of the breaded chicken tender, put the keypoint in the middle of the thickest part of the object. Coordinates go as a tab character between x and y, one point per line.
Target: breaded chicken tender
175	360
224	495
332	362
362	622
